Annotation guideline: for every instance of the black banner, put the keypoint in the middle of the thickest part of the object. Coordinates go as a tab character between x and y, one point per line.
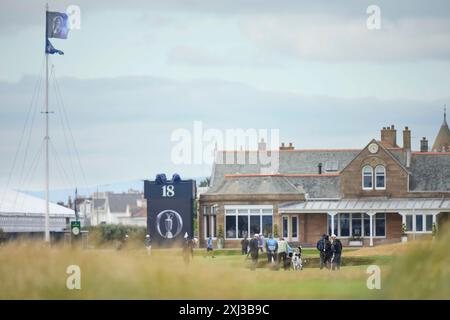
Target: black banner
170	211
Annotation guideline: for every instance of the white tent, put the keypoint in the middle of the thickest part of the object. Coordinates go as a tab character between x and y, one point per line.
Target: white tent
20	212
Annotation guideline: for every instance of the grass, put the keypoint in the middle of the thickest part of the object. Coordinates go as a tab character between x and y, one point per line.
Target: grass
34	271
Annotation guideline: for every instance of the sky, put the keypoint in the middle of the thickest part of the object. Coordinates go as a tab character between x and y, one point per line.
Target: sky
138	70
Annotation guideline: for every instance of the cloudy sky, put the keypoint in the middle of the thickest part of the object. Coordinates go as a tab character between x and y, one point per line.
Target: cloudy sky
138	70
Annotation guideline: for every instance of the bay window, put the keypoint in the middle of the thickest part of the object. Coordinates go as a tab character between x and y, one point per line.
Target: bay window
246	220
419	222
358	225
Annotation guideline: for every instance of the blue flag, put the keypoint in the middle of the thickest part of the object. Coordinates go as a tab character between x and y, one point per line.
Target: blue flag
50	49
57	25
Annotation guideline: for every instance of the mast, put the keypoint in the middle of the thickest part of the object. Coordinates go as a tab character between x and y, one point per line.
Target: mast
47	167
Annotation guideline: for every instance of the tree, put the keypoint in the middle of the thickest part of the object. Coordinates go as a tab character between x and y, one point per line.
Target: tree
205	182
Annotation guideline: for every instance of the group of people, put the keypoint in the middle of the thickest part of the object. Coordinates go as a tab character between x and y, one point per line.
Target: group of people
330	252
278	251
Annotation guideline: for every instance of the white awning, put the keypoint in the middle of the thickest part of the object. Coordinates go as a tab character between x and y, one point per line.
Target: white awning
365	205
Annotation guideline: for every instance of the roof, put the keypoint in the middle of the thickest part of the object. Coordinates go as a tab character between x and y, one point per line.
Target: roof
265	184
364	205
138	212
99	203
118	202
290	162
442	142
430	172
15	202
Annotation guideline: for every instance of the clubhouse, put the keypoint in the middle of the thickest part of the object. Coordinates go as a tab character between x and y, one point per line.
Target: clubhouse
365	196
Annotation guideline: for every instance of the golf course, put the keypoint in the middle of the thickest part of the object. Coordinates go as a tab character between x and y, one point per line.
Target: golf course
416	270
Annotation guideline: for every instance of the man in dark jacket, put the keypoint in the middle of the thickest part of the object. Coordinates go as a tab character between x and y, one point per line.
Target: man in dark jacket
254	250
324	247
244	245
328	252
336	248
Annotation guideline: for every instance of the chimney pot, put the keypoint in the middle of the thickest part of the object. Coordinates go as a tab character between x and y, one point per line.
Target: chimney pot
424	145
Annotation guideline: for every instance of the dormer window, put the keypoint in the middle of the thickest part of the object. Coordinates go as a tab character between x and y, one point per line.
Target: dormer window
331	166
367	178
380	177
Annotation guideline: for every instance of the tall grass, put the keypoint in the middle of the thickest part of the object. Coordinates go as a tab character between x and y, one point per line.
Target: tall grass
423	271
35	271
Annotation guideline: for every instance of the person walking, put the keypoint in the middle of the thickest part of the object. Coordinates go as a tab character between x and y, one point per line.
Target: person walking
244	245
254	251
209	247
261	242
148	244
321	244
328	252
336	249
282	253
271	249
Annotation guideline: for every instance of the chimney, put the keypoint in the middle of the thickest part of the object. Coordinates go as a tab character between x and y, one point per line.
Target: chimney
389	136
407	139
262	146
424	145
319	167
284	147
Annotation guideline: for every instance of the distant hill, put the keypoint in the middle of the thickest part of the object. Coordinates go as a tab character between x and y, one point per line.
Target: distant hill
57	195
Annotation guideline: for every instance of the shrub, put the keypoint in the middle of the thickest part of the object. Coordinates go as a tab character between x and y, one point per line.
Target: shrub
112	232
404	229
220	232
275	231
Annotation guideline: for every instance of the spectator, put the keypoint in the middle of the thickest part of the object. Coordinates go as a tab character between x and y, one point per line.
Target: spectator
321	244
244	245
209	247
336	249
261	242
254	250
282	253
271	249
148	244
328	252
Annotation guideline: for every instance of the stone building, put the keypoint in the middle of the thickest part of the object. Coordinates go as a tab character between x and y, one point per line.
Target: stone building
362	195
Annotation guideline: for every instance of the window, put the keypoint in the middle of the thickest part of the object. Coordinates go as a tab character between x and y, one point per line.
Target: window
409	223
336	222
356	225
230	222
206	222
242	226
344	224
267	226
419	223
380	225
245	221
367	177
331	166
429	222
380	178
366	225
255	225
285	227
294	227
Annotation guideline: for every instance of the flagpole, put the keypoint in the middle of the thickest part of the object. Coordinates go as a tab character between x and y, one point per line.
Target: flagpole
47	167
